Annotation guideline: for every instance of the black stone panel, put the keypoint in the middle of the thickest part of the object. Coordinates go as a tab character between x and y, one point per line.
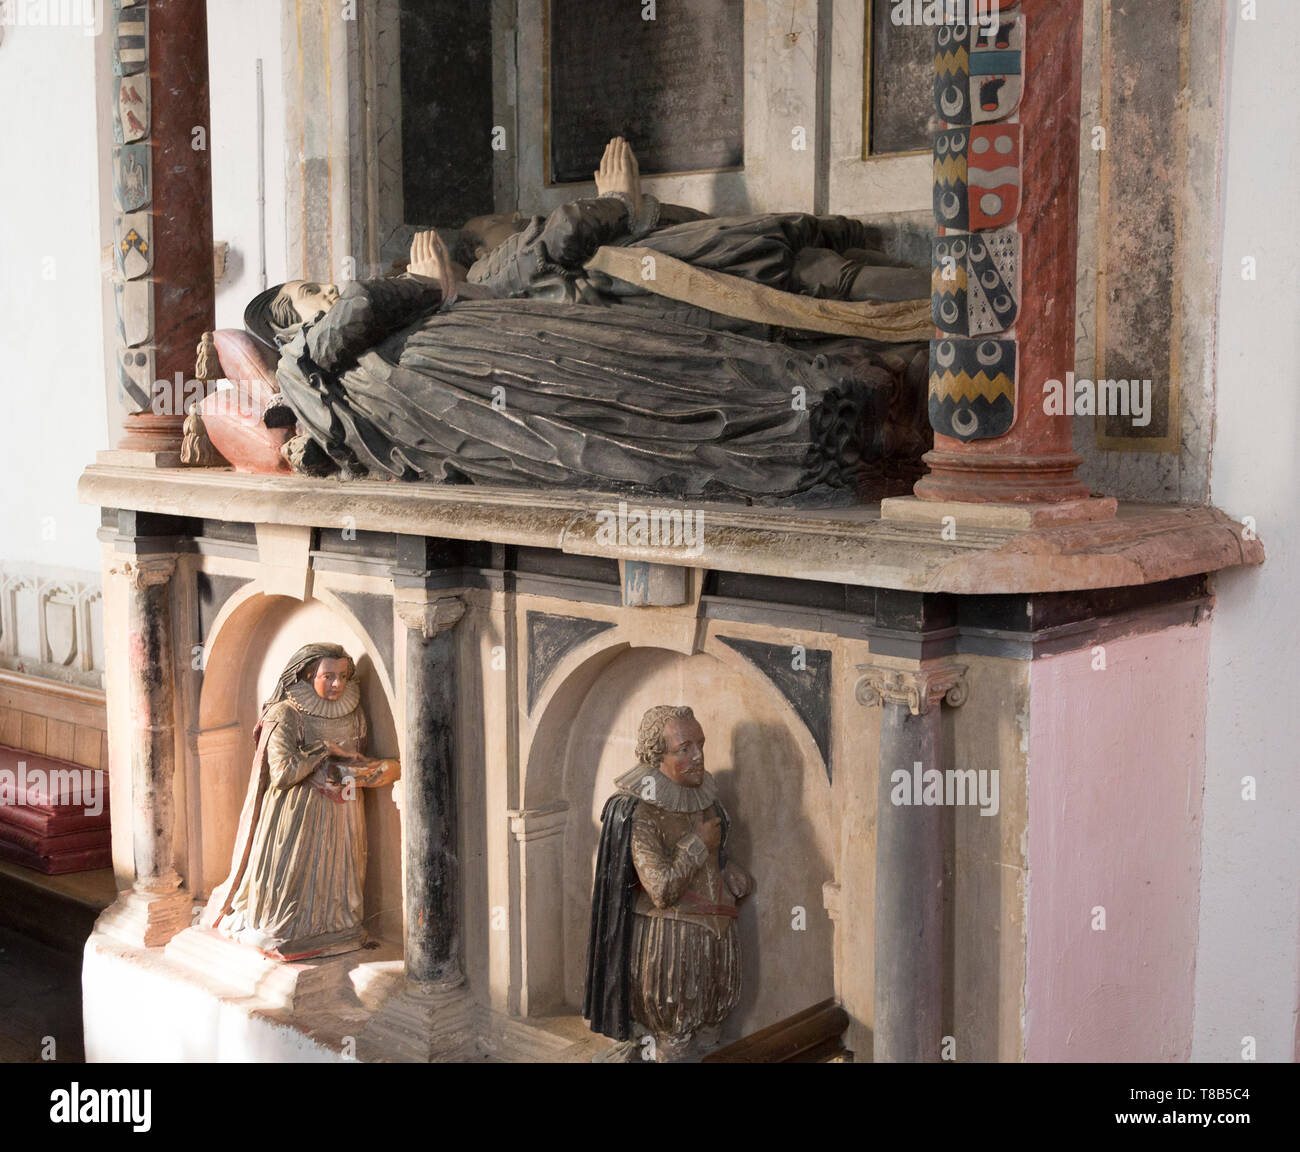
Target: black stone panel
808	690
550	638
549	562
446	68
228	530
375	614
211	594
848	598
378	546
673	86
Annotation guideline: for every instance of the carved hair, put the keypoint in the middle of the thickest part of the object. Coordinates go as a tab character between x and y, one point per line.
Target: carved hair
650	744
269	314
309	671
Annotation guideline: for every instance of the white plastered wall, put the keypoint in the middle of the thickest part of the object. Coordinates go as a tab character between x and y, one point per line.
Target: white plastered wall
51	339
1248	960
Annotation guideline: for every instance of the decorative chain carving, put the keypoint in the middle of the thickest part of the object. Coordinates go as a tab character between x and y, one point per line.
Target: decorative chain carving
920	689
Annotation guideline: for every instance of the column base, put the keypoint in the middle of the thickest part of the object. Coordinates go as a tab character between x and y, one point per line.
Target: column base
152	432
420	1024
1023	517
143	919
986	478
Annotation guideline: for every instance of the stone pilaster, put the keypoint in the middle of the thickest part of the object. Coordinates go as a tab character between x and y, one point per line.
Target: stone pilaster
910	945
156	908
429	794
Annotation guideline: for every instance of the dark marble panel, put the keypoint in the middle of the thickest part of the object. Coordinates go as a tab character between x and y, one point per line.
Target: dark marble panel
673	86
808	689
900	66
446	69
211	594
375	614
550	638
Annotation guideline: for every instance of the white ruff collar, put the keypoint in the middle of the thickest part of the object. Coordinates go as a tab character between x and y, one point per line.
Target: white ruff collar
303	697
655	788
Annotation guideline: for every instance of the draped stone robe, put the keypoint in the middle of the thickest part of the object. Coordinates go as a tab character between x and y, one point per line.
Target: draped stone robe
393	383
301	892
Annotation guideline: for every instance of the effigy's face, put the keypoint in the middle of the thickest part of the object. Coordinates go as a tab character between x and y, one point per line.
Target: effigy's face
331	679
491	231
683	761
312	300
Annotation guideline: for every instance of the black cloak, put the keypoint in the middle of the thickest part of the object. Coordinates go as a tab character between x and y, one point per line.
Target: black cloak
606	997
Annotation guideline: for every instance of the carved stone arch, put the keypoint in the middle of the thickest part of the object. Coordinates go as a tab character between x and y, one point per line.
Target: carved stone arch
552	834
229	702
566	687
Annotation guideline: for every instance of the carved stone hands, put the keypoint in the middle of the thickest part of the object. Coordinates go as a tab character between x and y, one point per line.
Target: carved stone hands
739	882
619	173
710	831
430	258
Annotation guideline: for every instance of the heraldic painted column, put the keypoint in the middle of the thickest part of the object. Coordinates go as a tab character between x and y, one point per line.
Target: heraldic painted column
156	908
909	955
163	285
1006	195
429	795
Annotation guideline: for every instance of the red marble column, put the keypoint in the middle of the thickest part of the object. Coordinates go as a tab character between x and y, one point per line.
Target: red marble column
1035	462
183	288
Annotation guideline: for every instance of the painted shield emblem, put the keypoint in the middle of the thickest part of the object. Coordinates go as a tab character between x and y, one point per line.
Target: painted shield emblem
134	250
134	302
993	180
975	282
131	177
130	40
996	53
972	388
135	376
131	116
952	72
977	176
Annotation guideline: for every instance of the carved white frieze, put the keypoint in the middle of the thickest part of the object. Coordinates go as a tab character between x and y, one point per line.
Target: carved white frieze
50	624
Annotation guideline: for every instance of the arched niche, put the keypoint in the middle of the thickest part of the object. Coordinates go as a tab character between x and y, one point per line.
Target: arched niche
772	781
251	642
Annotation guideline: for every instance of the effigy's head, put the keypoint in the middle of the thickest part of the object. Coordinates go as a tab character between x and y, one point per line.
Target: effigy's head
331	674
272	313
483	233
671	739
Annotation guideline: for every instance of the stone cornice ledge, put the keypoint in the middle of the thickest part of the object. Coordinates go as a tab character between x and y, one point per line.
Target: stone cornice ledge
1143	544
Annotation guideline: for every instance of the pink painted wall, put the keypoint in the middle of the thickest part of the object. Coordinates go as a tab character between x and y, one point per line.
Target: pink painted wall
1116	764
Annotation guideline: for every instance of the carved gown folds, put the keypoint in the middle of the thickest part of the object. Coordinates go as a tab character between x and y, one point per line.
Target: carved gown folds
524	392
301	893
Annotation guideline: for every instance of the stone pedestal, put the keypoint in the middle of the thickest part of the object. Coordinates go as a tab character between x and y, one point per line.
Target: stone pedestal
910	945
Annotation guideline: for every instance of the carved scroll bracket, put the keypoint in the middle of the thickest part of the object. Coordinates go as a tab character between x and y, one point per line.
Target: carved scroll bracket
430	617
920	689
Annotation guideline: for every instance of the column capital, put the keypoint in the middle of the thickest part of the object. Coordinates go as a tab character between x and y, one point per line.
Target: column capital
430	617
145	572
920	689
